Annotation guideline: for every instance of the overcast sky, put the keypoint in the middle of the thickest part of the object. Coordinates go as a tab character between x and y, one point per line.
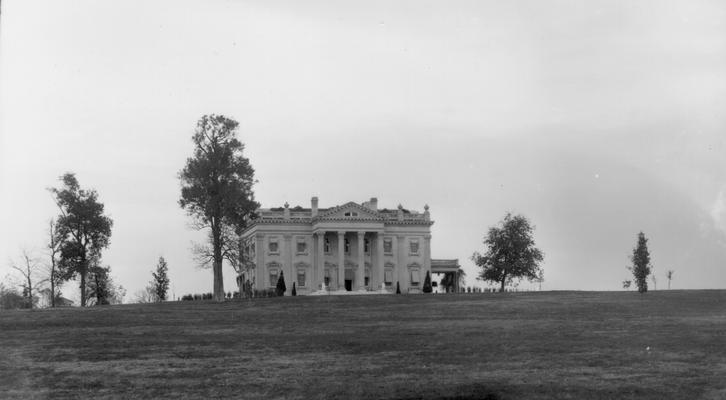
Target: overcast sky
594	119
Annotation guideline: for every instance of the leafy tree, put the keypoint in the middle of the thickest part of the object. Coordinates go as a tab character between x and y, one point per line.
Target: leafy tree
511	252
29	270
217	191
281	288
669	276
626	284
83	229
99	285
641	263
294	291
161	280
427	283
11	299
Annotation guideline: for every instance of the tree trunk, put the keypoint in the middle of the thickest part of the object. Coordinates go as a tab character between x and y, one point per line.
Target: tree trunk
83	289
217	263
504	279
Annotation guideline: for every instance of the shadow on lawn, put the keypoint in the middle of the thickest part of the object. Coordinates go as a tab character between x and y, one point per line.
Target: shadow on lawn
467	392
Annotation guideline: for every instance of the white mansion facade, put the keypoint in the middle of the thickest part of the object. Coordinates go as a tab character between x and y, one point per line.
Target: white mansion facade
349	247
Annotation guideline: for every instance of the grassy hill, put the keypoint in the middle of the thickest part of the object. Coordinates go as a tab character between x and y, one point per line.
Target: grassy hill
538	345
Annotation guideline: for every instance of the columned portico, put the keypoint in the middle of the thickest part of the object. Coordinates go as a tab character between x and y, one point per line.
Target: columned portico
387	246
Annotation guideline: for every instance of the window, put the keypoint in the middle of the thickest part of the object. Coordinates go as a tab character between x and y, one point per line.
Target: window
388	277
272	246
387	246
414	277
347	246
301	246
351	214
301	278
274	274
326	246
413	246
367	246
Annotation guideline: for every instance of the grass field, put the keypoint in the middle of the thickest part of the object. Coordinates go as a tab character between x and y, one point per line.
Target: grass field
538	345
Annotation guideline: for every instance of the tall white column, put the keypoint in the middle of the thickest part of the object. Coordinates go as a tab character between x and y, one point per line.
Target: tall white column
288	250
341	260
320	260
360	280
400	267
259	274
427	256
381	273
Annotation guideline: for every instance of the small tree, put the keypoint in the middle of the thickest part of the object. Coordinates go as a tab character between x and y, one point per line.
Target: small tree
641	263
294	291
626	284
10	298
669	276
427	283
398	288
281	288
511	252
161	280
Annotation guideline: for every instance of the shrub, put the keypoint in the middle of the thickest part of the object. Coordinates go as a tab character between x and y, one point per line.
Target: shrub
427	283
281	288
294	291
398	288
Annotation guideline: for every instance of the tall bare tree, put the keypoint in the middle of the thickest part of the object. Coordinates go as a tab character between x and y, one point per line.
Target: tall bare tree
55	278
30	270
669	276
217	189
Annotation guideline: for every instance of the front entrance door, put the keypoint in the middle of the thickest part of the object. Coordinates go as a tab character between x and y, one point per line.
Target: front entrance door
349	284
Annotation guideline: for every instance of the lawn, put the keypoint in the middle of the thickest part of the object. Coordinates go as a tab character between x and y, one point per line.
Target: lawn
537	345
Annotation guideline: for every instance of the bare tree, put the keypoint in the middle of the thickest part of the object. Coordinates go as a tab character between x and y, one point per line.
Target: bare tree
55	277
30	269
669	276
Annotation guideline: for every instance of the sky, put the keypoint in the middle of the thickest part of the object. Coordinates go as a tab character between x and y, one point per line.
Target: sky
595	120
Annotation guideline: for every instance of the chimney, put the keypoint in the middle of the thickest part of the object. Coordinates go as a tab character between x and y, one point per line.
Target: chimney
314	206
373	204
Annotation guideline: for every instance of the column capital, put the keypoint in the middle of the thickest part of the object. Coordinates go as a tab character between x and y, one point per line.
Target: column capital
341	233
260	235
427	237
361	233
287	236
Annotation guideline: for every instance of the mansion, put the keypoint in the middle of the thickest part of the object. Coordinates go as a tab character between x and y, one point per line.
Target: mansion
351	247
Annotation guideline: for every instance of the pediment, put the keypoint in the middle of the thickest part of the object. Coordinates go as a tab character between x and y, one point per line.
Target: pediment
350	210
